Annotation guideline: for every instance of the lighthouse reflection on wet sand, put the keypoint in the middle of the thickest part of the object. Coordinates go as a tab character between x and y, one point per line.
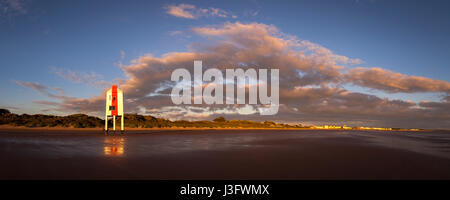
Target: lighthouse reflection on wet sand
114	107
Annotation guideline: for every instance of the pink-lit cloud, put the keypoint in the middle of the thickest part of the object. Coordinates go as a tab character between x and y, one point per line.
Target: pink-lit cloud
393	82
91	79
311	79
189	11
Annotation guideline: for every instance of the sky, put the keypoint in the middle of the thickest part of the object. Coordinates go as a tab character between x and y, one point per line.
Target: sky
353	62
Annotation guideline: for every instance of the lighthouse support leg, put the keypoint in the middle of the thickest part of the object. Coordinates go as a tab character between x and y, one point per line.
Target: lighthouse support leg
106	124
121	124
114	123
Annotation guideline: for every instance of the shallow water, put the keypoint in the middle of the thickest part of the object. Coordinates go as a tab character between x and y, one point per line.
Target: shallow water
139	144
224	154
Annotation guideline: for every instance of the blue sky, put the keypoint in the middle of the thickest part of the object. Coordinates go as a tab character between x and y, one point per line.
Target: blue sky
93	37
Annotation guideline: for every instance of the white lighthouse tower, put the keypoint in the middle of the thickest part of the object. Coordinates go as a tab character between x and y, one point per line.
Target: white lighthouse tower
114	107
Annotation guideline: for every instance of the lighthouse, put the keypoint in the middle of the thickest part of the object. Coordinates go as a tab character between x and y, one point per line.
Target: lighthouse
114	107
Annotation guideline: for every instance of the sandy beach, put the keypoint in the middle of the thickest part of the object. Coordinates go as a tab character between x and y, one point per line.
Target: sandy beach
222	154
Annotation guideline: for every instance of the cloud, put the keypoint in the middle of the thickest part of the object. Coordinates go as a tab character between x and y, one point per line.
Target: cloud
393	82
173	33
66	104
91	79
250	13
122	54
44	90
35	86
12	8
310	88
189	11
181	10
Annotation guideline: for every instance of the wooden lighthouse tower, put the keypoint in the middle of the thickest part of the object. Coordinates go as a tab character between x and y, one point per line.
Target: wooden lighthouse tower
114	107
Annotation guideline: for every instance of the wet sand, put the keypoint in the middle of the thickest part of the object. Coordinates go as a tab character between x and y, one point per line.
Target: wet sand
223	154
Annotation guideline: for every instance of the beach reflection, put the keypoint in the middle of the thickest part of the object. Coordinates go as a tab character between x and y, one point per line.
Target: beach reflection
114	146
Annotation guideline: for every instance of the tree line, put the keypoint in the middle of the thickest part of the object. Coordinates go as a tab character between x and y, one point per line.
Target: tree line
131	121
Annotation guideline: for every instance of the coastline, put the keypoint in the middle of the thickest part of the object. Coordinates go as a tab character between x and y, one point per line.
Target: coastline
58	128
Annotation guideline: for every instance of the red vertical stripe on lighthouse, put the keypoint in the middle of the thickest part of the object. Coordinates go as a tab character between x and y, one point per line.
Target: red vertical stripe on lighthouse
114	100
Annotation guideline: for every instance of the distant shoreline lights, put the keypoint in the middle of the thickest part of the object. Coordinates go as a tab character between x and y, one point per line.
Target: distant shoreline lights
212	91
